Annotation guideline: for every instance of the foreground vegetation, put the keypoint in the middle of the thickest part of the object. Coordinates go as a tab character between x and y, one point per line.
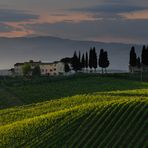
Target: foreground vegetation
16	92
87	111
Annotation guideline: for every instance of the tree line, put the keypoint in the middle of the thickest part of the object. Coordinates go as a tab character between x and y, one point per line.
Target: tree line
78	62
87	60
136	61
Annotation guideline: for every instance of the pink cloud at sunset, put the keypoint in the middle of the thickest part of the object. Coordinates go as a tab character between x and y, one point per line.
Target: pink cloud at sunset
97	20
136	15
46	18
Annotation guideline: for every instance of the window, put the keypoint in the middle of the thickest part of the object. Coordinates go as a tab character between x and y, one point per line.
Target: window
54	69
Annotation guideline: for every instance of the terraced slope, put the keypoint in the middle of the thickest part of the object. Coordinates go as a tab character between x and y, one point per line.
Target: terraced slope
98	120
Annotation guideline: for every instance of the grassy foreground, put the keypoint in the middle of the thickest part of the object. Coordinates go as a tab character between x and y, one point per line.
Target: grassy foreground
105	113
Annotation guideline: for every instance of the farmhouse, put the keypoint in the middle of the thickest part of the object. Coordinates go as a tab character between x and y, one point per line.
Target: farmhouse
55	68
47	69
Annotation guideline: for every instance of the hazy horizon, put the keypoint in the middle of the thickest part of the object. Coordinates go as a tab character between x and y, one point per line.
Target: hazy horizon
51	49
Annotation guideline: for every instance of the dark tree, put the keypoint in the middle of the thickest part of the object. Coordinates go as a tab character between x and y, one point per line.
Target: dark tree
83	61
146	56
80	64
138	62
79	56
86	60
75	62
106	61
91	58
36	71
94	60
26	69
143	56
66	60
133	57
103	60
66	68
31	61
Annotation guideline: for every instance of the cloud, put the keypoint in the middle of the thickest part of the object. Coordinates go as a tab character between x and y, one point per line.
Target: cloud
136	15
11	19
113	9
10	15
104	20
6	28
131	31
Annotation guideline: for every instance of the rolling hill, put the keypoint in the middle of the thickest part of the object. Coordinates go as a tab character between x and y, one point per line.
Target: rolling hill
99	116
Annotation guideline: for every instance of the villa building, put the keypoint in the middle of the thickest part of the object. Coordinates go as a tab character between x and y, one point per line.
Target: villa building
47	69
51	69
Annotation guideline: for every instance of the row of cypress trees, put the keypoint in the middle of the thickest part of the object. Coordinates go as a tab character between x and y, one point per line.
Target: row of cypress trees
137	61
90	60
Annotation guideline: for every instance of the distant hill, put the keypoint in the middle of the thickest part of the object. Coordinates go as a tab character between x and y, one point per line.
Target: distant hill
22	49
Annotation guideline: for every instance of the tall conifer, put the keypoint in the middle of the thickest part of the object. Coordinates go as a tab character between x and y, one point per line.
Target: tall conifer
86	60
94	60
91	58
133	57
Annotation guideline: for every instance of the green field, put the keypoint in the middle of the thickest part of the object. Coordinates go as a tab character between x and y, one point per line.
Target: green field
78	111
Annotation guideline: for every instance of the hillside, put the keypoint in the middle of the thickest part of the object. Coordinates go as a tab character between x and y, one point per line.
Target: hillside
22	49
89	111
16	92
82	121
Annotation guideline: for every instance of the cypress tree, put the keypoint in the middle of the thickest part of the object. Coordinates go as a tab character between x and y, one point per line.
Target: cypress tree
144	56
83	61
138	62
79	61
106	61
75	62
79	56
91	58
94	58
101	59
86	60
133	57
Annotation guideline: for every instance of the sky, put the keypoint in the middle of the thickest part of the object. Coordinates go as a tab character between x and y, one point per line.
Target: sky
124	21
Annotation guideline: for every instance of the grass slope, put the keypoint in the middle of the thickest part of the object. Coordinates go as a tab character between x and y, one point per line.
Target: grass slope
16	92
106	113
59	129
